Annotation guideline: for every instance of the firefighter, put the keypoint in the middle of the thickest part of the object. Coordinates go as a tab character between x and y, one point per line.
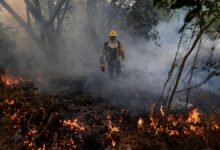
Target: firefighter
113	55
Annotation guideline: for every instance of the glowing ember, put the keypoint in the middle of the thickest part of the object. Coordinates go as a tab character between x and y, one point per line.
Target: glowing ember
43	148
15	115
153	121
9	101
215	127
171	118
112	129
191	123
32	132
8	80
173	132
140	123
73	124
29	144
113	143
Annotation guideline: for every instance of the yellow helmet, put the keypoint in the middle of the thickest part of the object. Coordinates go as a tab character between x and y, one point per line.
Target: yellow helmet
112	33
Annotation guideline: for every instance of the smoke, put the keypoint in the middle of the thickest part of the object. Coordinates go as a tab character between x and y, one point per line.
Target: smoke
146	66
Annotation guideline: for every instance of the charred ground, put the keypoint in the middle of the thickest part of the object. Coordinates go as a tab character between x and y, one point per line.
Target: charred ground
75	117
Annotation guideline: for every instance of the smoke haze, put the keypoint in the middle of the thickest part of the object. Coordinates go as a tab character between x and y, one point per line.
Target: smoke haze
146	65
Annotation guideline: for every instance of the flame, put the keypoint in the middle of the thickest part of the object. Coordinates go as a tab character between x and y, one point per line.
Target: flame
191	123
113	143
73	124
194	116
140	123
10	81
112	129
15	115
43	148
29	144
215	126
173	132
153	121
32	132
9	101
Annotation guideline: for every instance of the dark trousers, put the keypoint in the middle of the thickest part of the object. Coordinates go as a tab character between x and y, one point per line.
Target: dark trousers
114	69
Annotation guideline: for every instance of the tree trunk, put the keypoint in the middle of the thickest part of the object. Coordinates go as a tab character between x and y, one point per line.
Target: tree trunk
182	66
50	39
26	26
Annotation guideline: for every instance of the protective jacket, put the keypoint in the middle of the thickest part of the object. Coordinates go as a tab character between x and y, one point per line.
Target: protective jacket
113	51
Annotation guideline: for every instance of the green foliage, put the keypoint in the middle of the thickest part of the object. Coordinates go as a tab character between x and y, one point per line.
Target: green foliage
199	12
141	17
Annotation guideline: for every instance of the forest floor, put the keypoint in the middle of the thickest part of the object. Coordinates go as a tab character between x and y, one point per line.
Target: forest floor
76	118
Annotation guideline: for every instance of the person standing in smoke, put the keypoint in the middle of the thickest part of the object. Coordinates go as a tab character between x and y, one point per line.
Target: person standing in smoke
113	54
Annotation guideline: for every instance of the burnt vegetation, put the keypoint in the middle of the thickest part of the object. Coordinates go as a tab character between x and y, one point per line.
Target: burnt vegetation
33	119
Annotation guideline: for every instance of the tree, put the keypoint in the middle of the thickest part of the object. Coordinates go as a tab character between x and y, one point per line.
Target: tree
141	17
6	44
49	21
201	19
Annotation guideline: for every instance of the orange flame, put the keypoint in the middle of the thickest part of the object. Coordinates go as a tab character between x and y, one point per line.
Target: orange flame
153	121
140	123
73	124
215	127
43	148
9	101
15	115
194	116
10	81
111	130
173	132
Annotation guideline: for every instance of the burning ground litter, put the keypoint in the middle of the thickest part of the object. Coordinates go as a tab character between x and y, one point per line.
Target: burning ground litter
73	119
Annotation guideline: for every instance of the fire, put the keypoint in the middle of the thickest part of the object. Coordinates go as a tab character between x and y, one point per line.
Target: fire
10	81
15	115
173	132
43	148
112	129
215	127
9	101
171	128
153	121
73	124
113	143
140	123
194	116
32	132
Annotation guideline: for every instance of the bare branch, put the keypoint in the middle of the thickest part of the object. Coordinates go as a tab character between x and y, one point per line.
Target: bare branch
23	24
